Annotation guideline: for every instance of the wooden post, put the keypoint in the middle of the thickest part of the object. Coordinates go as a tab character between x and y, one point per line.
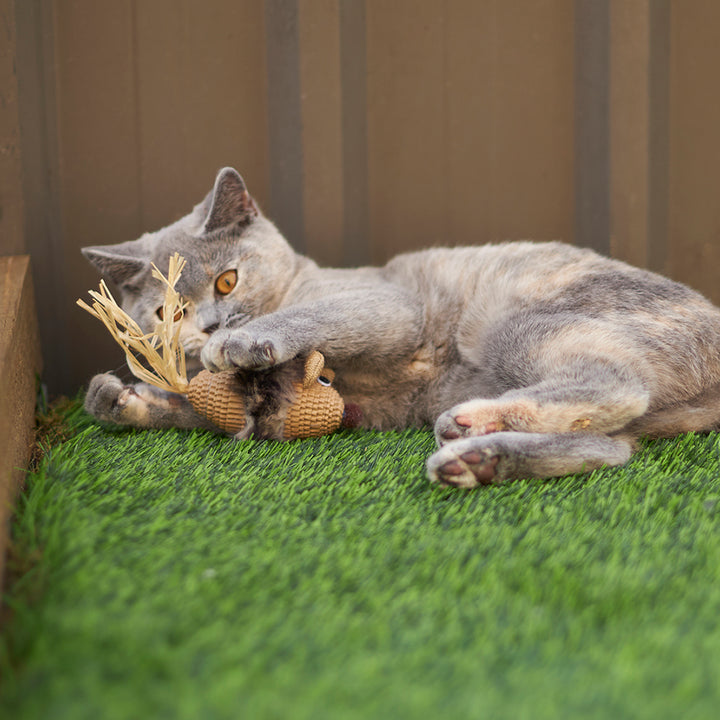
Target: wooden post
19	364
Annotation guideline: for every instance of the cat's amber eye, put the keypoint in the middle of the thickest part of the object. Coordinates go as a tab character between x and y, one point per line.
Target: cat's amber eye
226	282
177	317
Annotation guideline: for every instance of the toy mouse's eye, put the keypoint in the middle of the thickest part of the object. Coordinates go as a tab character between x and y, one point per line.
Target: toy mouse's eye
177	317
226	282
325	382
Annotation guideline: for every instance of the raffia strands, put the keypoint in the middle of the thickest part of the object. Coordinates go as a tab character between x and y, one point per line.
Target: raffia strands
162	350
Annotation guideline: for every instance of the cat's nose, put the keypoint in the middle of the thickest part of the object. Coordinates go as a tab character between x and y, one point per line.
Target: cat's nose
210	329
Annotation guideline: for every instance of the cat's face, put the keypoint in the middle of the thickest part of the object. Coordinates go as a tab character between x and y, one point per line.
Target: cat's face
238	265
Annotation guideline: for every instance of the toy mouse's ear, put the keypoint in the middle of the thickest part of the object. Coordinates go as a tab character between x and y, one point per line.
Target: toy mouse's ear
313	367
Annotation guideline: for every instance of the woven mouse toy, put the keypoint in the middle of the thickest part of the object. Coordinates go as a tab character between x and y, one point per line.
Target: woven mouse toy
317	410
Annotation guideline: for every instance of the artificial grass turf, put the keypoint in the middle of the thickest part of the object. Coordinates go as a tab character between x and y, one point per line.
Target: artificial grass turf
181	575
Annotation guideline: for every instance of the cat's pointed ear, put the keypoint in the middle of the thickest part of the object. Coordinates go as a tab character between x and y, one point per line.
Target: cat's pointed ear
230	203
121	263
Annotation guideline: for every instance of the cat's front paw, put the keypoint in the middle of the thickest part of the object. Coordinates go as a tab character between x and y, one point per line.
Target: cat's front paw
229	349
109	399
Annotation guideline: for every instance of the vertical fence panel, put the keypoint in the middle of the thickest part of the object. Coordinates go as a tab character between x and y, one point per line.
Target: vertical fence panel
284	119
41	183
509	106
161	51
470	108
98	157
406	125
695	145
201	101
321	109
353	62
11	199
629	130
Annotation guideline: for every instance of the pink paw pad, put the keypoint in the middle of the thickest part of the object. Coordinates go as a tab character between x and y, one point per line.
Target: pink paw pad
472	465
481	466
466	422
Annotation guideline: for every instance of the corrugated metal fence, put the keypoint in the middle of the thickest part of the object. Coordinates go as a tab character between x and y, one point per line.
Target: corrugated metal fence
363	128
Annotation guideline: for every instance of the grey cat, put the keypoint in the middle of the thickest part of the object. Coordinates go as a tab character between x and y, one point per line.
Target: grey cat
530	359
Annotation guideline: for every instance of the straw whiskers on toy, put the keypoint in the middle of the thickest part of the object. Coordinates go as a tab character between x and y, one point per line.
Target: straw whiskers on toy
161	349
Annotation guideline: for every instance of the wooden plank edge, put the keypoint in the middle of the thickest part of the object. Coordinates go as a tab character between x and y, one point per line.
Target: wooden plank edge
20	362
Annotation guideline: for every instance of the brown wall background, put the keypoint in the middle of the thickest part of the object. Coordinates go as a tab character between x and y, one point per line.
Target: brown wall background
363	127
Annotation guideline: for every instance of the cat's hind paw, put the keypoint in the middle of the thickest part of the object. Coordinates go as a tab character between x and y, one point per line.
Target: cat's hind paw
497	457
461	422
464	464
